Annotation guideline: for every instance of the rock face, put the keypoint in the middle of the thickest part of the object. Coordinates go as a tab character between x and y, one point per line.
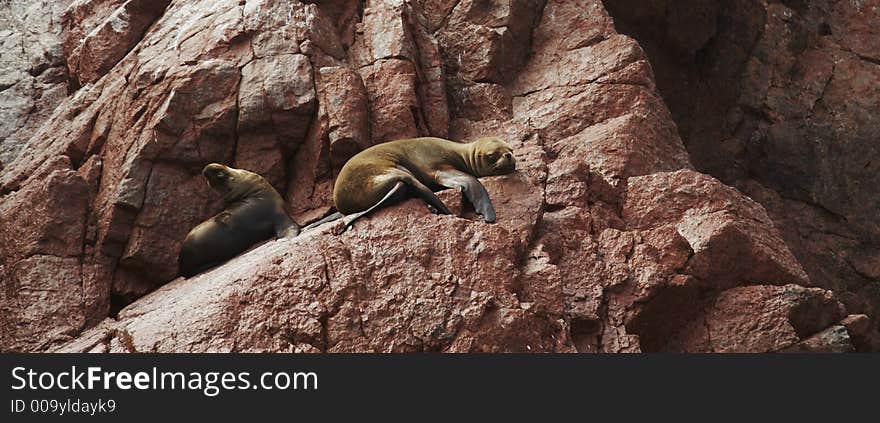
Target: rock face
33	80
608	238
780	99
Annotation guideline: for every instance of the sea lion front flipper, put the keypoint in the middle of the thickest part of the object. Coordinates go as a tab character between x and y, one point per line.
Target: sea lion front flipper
224	218
435	204
285	227
474	191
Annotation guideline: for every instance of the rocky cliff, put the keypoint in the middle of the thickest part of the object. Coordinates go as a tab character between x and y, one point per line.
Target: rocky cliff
743	220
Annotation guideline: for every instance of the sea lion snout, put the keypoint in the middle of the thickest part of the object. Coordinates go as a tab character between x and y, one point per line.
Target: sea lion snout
213	169
217	175
506	164
495	157
503	163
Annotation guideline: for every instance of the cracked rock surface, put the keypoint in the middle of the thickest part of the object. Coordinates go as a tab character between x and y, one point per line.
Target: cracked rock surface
780	99
33	78
608	237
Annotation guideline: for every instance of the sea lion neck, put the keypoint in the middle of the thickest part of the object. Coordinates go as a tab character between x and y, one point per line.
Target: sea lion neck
236	196
470	156
245	187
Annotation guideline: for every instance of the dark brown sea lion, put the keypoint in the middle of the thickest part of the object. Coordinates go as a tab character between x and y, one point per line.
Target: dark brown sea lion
254	212
386	172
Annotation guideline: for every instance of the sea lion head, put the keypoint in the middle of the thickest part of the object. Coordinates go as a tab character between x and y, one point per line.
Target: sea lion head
233	183
492	156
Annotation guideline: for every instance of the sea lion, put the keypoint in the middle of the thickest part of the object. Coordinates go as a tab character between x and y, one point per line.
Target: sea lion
254	212
385	172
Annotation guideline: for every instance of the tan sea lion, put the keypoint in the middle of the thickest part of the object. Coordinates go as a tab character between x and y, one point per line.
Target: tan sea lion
385	172
254	212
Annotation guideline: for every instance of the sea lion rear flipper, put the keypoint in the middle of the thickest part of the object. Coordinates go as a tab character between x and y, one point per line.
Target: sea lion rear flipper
394	190
474	191
323	220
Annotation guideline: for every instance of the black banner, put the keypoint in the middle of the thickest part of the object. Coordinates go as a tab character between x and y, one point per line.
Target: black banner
82	387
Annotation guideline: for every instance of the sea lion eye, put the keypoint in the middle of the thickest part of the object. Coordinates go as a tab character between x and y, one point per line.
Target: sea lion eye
493	156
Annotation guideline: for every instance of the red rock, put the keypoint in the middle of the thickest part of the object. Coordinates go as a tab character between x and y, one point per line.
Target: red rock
835	339
33	79
42	302
480	42
775	99
764	318
387	34
432	91
437	11
101	32
344	16
163	220
310	179
570	25
40	272
854	26
394	106
344	98
46	218
483	101
400	64
732	238
607	238
863	332
276	103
